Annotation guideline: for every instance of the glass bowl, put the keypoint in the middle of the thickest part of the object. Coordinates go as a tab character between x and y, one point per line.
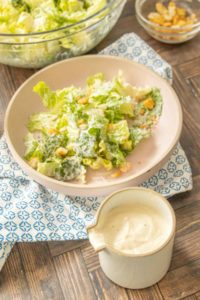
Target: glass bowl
168	34
37	50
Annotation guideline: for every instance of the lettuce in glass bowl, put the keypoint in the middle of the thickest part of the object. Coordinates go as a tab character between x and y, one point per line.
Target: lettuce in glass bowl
36	33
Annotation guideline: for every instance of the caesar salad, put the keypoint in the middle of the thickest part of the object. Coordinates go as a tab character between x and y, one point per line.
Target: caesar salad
92	127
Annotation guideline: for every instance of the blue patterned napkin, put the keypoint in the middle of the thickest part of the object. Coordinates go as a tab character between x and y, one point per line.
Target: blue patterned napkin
29	212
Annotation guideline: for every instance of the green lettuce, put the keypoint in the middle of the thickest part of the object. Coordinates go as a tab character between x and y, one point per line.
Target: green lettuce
87	145
42	122
48	168
69	169
94	127
48	96
138	134
33	148
97	163
119	132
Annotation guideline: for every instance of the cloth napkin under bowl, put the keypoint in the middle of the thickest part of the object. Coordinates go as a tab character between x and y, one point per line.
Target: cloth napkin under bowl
30	212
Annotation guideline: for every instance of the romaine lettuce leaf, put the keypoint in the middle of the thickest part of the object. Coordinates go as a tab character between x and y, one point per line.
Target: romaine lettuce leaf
118	132
138	134
33	148
47	95
97	123
87	145
70	169
42	122
53	142
95	81
97	163
31	145
48	168
115	154
21	5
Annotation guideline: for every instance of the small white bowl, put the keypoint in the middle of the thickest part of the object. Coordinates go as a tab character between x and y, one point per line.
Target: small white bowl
148	156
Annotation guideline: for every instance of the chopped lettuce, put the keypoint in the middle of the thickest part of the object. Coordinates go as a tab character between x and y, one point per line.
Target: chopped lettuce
52	142
39	16
48	97
138	134
41	122
96	80
48	168
31	145
47	18
69	169
118	133
98	163
87	144
33	148
92	127
115	154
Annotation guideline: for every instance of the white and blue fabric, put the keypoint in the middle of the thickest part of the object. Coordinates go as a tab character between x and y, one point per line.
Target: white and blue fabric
30	212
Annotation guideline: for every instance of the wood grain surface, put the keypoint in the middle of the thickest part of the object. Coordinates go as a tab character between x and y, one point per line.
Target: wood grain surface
70	270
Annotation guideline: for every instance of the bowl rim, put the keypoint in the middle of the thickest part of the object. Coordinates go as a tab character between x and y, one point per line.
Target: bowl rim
138	5
110	5
63	184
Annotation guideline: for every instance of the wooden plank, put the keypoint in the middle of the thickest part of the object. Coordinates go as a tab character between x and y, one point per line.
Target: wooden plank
90	257
7	89
190	68
57	248
181	282
73	276
128	10
193	297
190	138
124	25
188	216
20	75
39	271
195	83
105	289
151	293
10	80
187	246
197	295
1	124
177	54
13	283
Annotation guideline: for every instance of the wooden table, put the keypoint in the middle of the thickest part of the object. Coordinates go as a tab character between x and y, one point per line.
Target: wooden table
70	270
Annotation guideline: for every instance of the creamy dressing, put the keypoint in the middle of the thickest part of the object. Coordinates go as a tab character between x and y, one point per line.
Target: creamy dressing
135	229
